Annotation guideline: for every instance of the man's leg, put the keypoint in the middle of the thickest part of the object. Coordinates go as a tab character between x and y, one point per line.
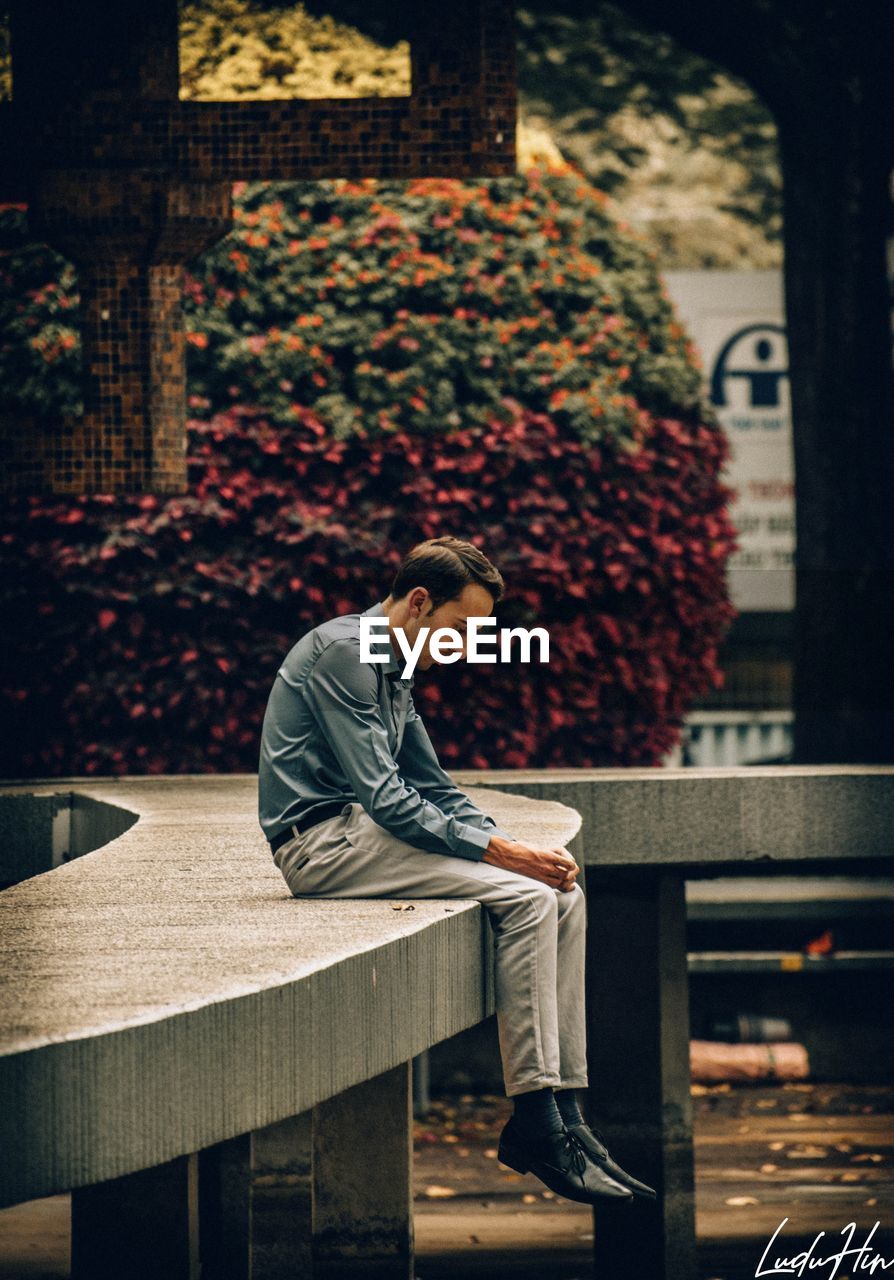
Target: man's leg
570	987
570	993
351	856
570	999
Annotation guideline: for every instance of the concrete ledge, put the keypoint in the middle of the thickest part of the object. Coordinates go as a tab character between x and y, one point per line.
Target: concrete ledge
38	833
721	821
791	898
166	992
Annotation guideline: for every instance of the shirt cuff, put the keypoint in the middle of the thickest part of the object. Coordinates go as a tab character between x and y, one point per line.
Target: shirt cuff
474	841
498	831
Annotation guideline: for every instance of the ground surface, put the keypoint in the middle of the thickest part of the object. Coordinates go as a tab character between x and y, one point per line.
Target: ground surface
820	1155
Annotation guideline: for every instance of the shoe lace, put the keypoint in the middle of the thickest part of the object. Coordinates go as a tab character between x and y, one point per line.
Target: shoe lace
575	1152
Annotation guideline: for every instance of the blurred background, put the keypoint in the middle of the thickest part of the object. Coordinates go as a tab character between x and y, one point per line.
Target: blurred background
586	366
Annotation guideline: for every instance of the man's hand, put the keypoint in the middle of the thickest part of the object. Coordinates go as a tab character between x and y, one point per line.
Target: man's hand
555	867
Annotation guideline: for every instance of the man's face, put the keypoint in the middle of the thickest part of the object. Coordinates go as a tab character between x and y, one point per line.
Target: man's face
475	601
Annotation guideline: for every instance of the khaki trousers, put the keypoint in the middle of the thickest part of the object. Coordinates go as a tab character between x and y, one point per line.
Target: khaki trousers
539	934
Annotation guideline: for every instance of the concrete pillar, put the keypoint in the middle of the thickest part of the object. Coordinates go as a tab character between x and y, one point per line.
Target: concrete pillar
256	1204
363	1195
638	1061
143	1226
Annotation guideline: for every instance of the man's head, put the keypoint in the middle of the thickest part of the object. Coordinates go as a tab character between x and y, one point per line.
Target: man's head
441	583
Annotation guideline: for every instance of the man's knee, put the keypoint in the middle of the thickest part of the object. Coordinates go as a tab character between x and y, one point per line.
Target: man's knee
572	899
543	898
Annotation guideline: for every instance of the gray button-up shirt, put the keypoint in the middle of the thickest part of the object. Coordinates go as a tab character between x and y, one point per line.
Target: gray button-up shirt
337	729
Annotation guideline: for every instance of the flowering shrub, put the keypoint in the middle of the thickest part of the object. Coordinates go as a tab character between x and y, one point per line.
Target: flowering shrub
39	343
383	306
149	630
422	306
372	365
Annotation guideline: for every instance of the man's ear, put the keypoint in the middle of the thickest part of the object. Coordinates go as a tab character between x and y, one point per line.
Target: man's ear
420	600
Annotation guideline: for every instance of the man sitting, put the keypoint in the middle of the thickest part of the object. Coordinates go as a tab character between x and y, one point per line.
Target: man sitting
355	804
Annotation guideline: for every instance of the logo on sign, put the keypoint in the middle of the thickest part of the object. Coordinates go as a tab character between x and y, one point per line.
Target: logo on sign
757	356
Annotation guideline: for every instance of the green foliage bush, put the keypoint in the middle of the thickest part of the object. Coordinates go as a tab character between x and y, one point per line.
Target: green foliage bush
426	306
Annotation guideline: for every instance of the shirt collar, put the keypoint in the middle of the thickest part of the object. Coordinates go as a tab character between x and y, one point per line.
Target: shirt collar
393	666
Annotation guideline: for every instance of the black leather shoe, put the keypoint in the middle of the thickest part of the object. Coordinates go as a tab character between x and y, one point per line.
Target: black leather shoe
594	1144
560	1162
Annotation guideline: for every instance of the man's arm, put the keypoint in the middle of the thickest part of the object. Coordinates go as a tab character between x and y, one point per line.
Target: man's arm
419	765
343	694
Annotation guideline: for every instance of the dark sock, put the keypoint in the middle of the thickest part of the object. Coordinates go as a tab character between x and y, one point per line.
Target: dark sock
566	1102
536	1113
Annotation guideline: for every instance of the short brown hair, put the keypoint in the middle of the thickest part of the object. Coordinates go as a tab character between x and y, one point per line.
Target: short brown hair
444	566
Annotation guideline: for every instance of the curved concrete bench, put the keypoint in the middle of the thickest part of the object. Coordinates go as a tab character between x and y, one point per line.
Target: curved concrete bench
275	1017
166	993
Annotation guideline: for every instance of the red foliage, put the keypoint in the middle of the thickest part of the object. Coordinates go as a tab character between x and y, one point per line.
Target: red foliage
143	634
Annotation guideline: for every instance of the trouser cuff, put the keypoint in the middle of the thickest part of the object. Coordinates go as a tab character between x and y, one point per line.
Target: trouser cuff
527	1086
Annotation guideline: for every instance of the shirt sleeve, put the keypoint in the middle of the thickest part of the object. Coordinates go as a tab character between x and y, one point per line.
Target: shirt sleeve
419	765
342	691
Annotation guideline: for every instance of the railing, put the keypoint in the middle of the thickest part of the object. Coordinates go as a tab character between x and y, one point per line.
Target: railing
721	738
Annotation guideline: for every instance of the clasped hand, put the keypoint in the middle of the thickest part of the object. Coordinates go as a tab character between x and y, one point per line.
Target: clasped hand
554	866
